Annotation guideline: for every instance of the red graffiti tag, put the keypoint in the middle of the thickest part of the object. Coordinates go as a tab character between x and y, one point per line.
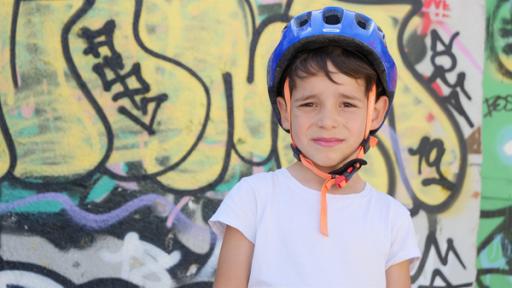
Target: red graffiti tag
433	11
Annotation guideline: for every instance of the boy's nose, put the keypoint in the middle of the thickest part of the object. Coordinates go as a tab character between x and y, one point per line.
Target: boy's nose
328	119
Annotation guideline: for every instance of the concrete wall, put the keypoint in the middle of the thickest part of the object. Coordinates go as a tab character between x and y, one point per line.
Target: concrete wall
125	123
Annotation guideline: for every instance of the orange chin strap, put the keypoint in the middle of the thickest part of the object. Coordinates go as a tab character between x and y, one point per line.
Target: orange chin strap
332	179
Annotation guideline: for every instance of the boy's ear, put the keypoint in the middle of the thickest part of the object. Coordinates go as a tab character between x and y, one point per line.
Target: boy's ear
283	111
379	111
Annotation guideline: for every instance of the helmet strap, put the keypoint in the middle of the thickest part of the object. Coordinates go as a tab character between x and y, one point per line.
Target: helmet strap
339	176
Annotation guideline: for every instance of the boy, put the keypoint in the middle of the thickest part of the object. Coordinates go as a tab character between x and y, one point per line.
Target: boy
331	82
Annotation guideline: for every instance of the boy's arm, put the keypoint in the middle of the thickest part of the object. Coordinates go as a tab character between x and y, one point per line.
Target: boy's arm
235	259
397	275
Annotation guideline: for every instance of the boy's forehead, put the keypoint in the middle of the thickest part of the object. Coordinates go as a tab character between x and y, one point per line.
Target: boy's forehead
339	94
325	97
339	83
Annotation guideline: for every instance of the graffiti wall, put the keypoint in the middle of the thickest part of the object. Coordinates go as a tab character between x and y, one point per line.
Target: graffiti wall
494	250
125	123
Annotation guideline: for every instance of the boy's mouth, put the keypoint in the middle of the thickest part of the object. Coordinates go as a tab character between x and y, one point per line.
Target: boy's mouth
327	142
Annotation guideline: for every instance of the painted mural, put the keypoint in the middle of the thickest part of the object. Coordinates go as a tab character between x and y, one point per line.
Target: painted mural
124	123
494	248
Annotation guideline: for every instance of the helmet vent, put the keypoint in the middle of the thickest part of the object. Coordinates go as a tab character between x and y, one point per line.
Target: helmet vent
302	20
332	15
332	19
362	21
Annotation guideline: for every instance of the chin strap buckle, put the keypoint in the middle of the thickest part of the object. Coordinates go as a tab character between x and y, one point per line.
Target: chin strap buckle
343	174
340	181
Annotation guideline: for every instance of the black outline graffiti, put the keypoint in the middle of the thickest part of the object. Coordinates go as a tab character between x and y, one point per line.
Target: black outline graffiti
388	160
57	183
146	49
12	41
4	129
251	14
66	50
275	18
6	265
492	50
432	242
257	31
114	64
497	103
425	150
417	203
11	149
507	33
502	228
440	73
438	274
228	87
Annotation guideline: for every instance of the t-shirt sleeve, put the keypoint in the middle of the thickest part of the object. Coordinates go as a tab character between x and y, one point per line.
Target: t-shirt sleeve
238	210
403	240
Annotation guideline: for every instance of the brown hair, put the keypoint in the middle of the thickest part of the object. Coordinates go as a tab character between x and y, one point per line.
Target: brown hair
348	62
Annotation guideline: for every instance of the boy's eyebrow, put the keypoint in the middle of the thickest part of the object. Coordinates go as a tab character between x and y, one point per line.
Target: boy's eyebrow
350	96
313	95
305	97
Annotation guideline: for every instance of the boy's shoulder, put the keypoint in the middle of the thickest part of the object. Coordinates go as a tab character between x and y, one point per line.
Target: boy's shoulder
264	175
256	188
389	201
262	178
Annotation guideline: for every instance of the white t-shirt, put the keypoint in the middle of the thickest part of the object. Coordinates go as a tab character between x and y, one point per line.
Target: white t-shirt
368	232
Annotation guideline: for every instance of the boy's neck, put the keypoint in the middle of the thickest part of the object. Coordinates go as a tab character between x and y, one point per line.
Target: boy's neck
309	179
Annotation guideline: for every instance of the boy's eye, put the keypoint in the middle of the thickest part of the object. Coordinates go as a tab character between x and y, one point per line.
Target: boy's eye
347	105
307	104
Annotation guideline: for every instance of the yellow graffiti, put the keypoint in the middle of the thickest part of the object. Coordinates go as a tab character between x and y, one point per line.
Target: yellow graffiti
58	133
213	39
5	159
48	117
180	117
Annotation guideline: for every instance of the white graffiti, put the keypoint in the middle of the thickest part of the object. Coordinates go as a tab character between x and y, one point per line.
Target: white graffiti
143	263
10	278
508	148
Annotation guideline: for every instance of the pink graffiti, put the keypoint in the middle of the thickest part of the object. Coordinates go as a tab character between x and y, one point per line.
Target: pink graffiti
462	48
176	210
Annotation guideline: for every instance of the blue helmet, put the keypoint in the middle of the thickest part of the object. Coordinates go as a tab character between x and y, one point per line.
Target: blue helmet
331	26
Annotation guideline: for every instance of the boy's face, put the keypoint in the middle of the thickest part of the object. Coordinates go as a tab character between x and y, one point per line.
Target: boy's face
328	119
